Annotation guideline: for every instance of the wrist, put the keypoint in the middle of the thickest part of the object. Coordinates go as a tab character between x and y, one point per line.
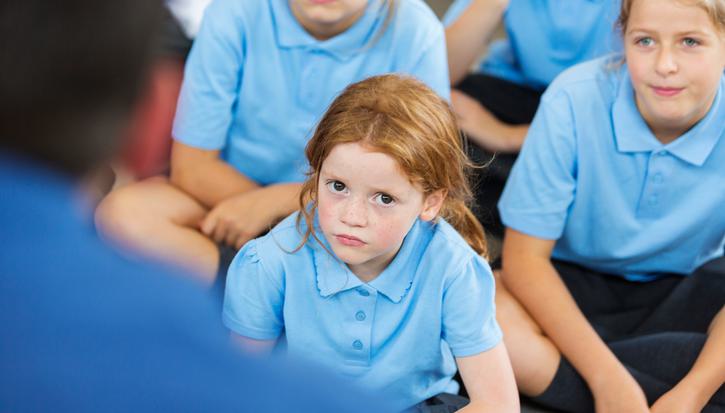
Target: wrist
601	375
697	387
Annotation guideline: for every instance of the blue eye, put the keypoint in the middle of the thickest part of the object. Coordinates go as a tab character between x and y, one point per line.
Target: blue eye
384	199
690	42
645	41
336	187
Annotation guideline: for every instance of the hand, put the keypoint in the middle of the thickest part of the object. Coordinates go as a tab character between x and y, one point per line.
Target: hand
679	399
483	128
619	392
240	218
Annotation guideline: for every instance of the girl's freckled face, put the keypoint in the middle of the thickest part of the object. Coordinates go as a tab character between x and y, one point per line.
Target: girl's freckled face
366	206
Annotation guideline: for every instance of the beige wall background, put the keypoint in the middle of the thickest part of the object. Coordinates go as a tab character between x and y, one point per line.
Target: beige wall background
439	6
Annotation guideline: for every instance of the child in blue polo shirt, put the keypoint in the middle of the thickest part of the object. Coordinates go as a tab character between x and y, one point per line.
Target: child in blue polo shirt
380	274
615	228
496	103
259	75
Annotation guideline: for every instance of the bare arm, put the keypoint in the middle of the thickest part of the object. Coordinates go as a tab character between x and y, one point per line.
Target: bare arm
489	381
204	176
240	209
707	375
251	345
533	280
467	37
482	127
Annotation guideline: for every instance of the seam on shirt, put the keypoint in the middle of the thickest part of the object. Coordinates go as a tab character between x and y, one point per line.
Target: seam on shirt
480	347
243	330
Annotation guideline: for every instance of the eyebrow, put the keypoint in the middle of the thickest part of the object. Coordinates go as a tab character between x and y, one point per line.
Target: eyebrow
679	34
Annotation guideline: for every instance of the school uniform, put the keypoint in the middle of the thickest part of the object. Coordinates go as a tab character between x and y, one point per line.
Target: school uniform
638	224
397	334
87	330
543	38
256	83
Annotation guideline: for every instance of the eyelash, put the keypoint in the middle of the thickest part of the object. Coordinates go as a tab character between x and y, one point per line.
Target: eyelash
377	198
331	186
694	41
639	41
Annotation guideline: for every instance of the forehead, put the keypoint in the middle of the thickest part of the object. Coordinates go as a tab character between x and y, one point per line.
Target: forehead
359	163
669	16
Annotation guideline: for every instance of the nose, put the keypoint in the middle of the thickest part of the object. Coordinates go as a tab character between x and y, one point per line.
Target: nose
354	212
665	64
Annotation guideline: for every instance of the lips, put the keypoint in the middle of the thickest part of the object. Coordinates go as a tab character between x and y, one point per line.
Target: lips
349	240
667	91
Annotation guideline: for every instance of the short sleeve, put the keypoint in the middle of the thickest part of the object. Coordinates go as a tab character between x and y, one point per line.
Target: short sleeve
469	311
254	298
211	79
541	187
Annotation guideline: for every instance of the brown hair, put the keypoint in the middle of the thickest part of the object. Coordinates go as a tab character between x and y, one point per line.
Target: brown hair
715	9
403	118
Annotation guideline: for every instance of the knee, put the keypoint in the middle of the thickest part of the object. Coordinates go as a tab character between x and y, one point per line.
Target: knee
121	213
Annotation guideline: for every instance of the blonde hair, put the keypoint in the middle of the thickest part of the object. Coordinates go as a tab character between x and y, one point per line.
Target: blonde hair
715	9
403	118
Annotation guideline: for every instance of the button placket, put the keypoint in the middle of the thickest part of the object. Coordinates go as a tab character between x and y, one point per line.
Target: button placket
360	316
362	306
650	198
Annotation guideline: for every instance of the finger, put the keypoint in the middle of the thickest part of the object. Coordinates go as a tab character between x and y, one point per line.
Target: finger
208	224
220	231
232	236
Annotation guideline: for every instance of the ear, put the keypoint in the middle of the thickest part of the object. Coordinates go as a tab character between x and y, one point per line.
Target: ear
432	204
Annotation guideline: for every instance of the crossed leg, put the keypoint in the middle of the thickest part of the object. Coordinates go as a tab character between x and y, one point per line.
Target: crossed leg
158	220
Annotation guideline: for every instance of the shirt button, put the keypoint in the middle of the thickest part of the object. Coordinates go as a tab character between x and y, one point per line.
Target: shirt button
363	292
662	153
658	178
357	345
360	316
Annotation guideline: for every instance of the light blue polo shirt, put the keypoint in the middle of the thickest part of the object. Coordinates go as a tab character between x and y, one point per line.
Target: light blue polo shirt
545	37
397	334
256	82
592	176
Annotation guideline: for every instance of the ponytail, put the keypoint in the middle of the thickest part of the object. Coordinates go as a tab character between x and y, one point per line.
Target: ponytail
457	213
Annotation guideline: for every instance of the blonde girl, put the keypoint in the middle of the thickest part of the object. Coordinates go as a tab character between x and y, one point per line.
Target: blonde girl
613	254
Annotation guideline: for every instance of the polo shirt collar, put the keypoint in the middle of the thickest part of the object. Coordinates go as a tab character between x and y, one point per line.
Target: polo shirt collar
290	33
334	276
633	135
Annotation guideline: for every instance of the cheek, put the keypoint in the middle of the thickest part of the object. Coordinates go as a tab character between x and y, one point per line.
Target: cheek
325	211
391	232
706	77
637	68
